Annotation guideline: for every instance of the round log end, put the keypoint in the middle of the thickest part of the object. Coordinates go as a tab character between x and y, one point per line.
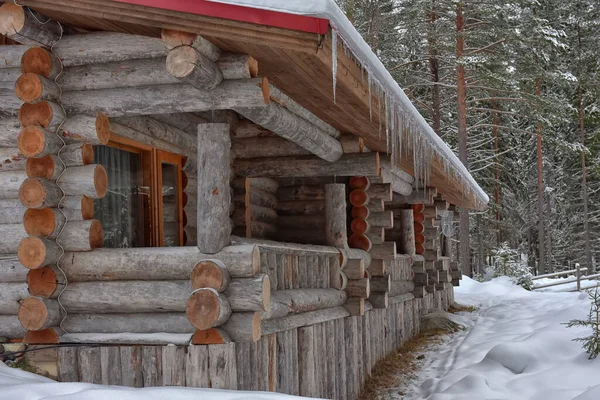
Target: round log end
32	193
173	38
359	225
29	87
31	141
42	282
418	217
39	222
210	336
255	260
256	327
46	336
184	180
42	167
203	308
12	19
36	114
359	241
87	154
419	238
377	164
33	313
419	228
360	212
210	274
182	61
87	208
102	128
419	249
100	181
358	197
32	252
38	61
359	182
418	207
96	234
252	67
266	89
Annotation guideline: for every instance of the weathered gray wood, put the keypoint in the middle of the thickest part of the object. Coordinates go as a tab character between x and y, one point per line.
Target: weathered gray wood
66	364
300	207
249	294
20	25
11	159
156	263
294	128
11	181
352	353
301	192
384	251
165	99
237	66
10	56
331	384
304	319
110	363
283	362
173	363
306	362
346	165
190	66
11	238
162	131
222	366
89	365
367	346
173	38
136	323
9	127
8	74
401	299
398	185
335	215
196	367
259	184
214	195
151	365
341	362
401	287
11	270
294	301
10	327
81	235
12	293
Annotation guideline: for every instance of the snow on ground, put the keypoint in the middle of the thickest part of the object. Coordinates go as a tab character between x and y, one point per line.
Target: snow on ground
20	385
514	348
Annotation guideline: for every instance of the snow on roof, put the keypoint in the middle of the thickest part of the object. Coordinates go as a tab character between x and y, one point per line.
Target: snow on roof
327	9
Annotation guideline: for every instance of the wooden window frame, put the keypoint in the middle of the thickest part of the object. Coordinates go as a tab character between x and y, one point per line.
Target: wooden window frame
152	159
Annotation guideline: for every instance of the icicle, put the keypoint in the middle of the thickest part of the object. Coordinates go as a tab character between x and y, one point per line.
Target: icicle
370	82
379	108
334	61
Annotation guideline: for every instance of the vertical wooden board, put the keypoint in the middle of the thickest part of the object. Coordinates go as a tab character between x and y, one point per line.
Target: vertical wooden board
262	370
272	367
325	277
302	273
351	355
222	367
289	271
368	361
110	360
340	344
293	361
196	367
254	367
295	272
272	268
173	364
243	366
334	271
331	360
306	362
318	272
320	359
283	373
372	339
67	365
131	366
88	360
360	357
280	267
151	365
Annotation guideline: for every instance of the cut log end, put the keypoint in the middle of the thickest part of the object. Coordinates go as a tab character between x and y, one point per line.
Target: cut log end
210	274
358	198
266	89
43	281
39	222
46	336
100	181
32	193
102	128
38	61
29	87
32	252
39	114
87	208
96	235
359	182
173	38
419	249
42	167
32	141
360	212
13	19
182	61
210	336
418	207
33	313
359	225
206	309
360	241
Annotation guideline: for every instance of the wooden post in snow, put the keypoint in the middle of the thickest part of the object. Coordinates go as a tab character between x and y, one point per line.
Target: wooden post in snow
214	192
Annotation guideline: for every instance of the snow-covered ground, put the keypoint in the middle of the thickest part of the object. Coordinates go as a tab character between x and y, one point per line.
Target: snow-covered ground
19	385
514	348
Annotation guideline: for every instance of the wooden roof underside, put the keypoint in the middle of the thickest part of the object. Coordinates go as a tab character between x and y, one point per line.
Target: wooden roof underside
298	63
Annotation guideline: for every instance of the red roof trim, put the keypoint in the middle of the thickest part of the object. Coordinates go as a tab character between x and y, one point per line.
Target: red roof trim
239	13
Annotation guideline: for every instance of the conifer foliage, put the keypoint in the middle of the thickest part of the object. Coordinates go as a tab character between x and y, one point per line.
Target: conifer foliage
591	343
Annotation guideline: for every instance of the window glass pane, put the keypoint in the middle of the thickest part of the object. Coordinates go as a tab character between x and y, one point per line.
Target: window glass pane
170	200
121	211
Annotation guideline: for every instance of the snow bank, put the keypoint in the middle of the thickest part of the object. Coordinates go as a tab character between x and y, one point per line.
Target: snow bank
20	385
516	348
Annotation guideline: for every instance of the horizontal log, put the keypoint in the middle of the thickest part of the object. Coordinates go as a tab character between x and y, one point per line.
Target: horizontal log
83	235
379	299
376	235
257	198
378	268
384	219
401	287
381	283
297	320
161	99
417	196
347	165
254	213
11	235
300	207
288	125
355	268
10	327
302	236
360	226
135	323
358	288
206	308
303	192
359	182
156	263
386	163
288	222
249	294
11	159
240	327
35	141
19	24
173	38
381	191
402	298
37	313
359	198
256	184
11	211
257	229
11	182
190	66
420	292
12	294
11	270
288	248
360	212
40	61
355	306
237	66
384	251
296	301
10	56
397	184
210	274
360	241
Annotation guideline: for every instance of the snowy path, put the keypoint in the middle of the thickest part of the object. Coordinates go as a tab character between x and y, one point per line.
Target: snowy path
514	348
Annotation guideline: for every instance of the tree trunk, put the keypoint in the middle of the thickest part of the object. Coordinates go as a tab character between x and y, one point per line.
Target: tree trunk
540	192
156	264
434	67
214	196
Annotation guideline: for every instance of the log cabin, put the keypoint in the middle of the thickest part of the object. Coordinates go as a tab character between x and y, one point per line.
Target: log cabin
228	194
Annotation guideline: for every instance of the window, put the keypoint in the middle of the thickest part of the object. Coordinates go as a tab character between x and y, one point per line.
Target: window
143	205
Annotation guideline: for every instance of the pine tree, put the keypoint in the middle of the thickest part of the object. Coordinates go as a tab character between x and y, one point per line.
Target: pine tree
591	343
